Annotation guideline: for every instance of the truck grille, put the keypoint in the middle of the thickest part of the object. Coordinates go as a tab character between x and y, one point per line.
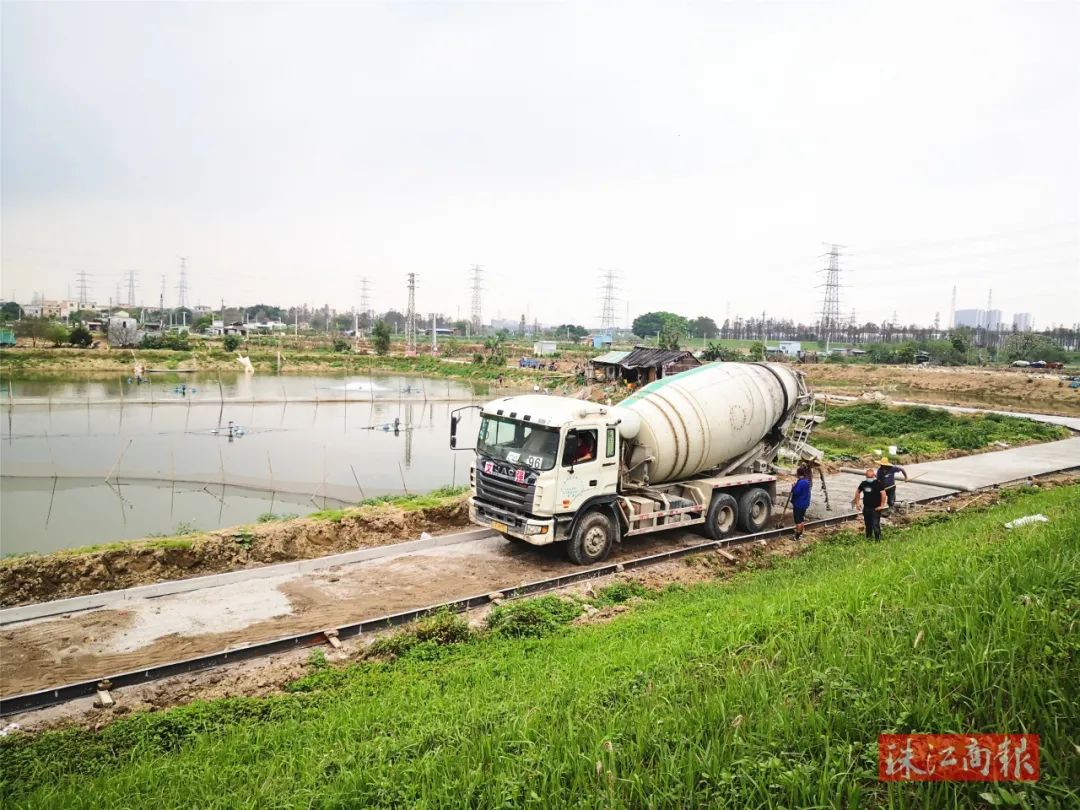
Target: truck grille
505	485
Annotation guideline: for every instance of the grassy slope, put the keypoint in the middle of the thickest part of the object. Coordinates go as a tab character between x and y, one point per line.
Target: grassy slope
767	690
857	430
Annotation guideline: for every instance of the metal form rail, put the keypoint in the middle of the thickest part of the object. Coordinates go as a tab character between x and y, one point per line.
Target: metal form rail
31	701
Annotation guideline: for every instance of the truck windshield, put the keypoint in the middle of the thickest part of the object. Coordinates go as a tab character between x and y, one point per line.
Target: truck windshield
518	442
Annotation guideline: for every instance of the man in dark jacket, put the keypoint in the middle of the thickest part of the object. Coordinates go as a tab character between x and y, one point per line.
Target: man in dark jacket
800	500
870	496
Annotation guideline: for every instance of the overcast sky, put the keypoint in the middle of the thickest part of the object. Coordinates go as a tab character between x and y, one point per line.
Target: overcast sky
705	151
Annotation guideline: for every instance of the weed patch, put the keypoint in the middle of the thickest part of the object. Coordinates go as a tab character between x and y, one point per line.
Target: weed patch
533	618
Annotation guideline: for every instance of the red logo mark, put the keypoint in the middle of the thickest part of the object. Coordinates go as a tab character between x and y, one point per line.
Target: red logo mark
519	476
958	757
488	466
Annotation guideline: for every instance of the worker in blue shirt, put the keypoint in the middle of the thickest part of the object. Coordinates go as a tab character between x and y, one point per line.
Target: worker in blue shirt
800	500
886	476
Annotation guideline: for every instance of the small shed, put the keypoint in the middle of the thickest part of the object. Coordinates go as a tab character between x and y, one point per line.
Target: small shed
606	366
644	365
601	341
543	348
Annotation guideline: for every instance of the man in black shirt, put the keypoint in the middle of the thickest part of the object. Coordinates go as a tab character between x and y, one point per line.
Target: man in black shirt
870	495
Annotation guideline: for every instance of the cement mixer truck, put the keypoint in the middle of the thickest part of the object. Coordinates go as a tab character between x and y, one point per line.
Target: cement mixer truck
695	449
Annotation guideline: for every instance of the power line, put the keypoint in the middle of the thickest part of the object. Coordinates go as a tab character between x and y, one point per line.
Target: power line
477	308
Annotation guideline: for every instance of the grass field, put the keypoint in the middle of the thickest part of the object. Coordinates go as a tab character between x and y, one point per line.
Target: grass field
857	431
765	690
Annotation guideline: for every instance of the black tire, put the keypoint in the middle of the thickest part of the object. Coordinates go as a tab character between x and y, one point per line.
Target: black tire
755	509
592	539
722	516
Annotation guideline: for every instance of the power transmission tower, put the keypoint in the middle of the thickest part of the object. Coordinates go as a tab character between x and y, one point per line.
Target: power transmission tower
131	288
83	279
830	306
477	308
608	289
410	318
182	287
365	298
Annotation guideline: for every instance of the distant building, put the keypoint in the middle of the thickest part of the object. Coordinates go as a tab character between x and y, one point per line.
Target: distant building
1022	322
123	330
993	320
543	348
50	309
601	341
971	318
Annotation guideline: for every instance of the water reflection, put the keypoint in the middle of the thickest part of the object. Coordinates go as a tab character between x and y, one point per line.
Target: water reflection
84	464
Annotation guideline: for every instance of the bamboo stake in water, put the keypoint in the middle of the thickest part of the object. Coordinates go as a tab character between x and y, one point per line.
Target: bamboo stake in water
357	480
117	464
402	473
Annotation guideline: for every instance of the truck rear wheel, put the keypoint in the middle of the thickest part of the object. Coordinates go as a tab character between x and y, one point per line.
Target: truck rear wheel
721	517
592	539
755	509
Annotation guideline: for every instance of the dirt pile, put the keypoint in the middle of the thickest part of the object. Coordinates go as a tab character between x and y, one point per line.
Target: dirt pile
1002	388
25	580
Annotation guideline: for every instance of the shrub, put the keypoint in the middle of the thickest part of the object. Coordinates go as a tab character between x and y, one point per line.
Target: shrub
380	337
80	336
342	345
532	617
231	343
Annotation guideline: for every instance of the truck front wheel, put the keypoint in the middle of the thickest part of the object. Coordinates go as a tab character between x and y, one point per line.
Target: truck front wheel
755	509
592	539
722	516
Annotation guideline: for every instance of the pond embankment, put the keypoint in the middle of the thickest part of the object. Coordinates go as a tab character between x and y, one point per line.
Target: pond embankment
38	578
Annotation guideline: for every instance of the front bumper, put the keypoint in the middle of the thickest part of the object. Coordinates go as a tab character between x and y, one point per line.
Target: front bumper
536	531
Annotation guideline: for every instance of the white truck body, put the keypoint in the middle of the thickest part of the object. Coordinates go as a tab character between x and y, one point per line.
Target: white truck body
692	449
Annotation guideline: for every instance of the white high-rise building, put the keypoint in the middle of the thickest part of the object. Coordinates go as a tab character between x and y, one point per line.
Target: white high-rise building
1022	322
994	320
971	318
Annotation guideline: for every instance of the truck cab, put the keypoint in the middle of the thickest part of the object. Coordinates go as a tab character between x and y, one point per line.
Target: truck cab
540	460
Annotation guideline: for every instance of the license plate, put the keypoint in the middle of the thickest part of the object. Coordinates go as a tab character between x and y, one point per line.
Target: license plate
499	527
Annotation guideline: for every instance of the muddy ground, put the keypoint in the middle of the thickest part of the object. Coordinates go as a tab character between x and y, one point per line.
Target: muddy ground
34	578
272	674
1001	388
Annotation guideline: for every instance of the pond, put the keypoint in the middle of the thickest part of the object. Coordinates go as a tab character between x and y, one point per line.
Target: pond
94	460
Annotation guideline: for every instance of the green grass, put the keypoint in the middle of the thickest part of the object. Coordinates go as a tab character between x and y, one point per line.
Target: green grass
408	503
854	431
766	690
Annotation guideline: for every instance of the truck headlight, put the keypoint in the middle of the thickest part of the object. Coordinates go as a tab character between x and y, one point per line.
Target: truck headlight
533	529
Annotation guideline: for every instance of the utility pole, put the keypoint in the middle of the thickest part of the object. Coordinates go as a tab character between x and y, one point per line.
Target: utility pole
830	306
434	336
161	302
410	319
608	287
952	309
477	309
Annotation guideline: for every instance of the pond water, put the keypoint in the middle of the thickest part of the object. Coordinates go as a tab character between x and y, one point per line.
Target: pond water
95	460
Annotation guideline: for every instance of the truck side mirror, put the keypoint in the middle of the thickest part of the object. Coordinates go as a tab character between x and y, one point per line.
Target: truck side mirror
455	418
